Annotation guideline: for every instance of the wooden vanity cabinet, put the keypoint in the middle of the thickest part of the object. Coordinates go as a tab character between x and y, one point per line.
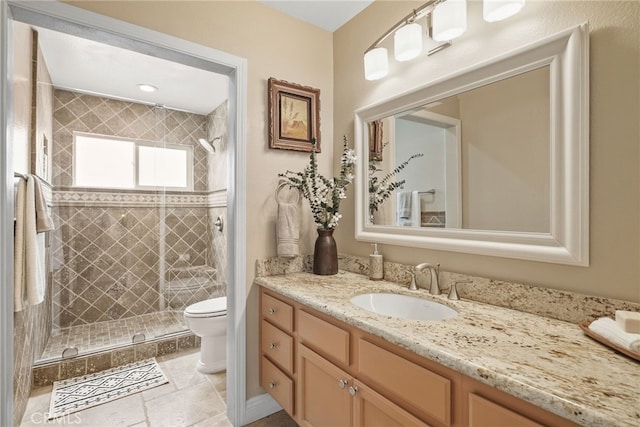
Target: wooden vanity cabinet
277	351
329	396
325	373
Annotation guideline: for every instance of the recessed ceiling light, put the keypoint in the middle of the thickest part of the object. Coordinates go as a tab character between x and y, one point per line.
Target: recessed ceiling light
147	88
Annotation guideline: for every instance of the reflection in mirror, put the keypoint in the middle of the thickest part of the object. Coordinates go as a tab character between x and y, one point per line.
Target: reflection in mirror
504	169
485	162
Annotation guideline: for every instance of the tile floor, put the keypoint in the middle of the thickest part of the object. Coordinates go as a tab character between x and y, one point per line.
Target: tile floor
190	399
113	333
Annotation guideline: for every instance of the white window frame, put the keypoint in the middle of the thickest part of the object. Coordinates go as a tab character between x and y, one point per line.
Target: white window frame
137	143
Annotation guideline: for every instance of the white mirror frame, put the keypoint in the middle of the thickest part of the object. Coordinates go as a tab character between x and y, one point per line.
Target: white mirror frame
567	55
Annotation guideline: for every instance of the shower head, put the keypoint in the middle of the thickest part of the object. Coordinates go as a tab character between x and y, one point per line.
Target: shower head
208	145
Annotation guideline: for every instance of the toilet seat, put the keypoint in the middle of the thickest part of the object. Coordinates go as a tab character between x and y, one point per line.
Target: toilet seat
214	307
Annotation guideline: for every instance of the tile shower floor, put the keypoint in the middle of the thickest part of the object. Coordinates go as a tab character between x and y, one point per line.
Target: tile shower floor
190	399
113	333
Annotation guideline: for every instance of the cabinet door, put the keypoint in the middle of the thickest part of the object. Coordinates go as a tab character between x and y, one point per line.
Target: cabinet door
323	392
374	410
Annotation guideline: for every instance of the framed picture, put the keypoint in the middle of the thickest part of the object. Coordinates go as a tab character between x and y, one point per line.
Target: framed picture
375	140
294	116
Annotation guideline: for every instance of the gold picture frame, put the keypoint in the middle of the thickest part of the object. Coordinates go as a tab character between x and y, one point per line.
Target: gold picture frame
375	140
294	116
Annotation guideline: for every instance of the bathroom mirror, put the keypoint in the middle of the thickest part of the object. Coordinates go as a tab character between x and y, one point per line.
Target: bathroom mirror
497	158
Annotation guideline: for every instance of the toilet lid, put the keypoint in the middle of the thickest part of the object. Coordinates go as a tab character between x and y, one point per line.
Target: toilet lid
208	306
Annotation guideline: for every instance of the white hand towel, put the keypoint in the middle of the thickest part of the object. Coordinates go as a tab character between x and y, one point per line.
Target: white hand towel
404	204
43	220
609	329
28	260
416	209
288	230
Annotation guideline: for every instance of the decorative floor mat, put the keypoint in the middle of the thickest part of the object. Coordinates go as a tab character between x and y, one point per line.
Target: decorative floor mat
76	394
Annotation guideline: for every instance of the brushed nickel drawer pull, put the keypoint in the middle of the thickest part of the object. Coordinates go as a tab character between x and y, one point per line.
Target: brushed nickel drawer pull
273	345
272	384
343	383
353	390
272	310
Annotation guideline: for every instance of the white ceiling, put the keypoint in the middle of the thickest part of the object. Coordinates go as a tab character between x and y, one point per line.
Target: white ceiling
83	65
327	14
87	66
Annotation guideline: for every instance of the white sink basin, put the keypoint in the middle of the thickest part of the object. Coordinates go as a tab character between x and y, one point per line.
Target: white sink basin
404	306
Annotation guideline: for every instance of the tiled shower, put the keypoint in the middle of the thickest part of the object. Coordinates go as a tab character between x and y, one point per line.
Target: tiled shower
125	263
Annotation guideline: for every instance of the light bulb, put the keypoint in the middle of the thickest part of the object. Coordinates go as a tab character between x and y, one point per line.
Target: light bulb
407	42
449	20
376	64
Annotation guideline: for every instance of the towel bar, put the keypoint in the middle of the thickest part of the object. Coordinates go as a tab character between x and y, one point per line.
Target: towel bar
432	191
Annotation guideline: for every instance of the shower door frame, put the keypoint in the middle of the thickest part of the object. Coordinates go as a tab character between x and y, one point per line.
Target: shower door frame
67	18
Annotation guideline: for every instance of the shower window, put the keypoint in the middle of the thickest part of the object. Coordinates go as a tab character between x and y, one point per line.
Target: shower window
107	162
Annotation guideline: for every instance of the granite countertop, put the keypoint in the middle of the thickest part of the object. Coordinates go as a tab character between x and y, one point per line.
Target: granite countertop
547	362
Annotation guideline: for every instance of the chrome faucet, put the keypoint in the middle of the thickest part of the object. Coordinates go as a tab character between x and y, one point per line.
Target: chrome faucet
435	276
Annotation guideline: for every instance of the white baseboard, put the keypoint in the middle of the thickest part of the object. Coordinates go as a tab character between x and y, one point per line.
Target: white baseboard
260	407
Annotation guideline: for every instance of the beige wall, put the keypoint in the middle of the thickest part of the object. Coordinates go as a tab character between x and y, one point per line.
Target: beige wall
275	45
614	110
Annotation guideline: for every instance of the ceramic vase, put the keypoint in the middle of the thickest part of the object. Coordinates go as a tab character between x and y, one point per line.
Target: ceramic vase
325	254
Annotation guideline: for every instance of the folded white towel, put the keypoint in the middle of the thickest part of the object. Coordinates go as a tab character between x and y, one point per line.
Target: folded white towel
609	329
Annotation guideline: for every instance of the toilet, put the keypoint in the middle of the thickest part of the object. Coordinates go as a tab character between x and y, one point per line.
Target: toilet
208	320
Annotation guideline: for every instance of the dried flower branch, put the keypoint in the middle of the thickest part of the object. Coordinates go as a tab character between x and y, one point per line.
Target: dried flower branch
381	188
324	195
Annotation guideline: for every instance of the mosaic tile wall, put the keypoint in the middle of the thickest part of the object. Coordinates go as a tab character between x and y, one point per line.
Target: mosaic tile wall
217	184
108	245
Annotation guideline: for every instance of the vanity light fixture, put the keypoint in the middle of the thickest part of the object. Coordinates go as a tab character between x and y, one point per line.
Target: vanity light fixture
147	87
446	20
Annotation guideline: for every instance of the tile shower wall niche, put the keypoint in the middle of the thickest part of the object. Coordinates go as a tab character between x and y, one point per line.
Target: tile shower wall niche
115	250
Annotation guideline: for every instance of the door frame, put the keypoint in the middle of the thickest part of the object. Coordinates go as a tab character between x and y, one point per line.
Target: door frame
70	19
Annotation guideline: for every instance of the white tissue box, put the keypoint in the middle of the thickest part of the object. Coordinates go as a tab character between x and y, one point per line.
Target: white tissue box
629	321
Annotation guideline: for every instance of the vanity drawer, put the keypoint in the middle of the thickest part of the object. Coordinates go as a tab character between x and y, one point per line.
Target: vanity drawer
485	413
277	384
424	391
277	312
327	339
277	346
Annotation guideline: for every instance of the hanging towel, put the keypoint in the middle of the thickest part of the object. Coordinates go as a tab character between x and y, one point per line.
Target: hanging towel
43	220
408	209
404	204
287	227
28	259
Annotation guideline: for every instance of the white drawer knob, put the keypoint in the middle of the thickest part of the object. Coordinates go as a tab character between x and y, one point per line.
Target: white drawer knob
272	384
273	345
353	390
342	383
272	310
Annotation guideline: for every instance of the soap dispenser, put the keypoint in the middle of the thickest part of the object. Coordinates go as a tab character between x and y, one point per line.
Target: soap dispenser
376	264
